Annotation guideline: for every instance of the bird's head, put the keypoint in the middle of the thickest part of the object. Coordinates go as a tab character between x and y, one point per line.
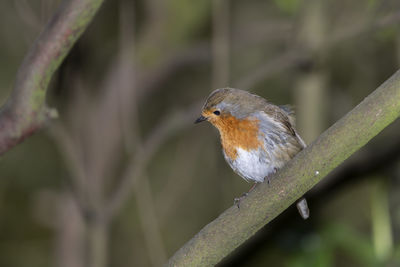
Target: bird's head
227	103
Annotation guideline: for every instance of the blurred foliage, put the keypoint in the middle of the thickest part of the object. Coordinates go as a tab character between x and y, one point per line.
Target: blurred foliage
288	6
186	20
190	182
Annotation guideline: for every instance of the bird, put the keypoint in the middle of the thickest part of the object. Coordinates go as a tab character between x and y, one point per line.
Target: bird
257	137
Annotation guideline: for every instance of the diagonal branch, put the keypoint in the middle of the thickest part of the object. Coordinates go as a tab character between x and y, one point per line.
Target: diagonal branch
371	161
26	110
234	226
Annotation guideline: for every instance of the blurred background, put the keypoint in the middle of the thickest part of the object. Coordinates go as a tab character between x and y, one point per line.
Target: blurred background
124	177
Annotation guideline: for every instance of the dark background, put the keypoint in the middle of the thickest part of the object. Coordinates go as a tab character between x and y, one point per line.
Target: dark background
124	177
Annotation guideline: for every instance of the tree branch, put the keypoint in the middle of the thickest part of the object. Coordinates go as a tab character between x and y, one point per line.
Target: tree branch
372	161
234	226
26	110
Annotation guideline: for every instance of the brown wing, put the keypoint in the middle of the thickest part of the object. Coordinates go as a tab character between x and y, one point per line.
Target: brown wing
288	119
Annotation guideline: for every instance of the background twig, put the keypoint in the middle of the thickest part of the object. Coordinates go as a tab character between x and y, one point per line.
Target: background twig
26	111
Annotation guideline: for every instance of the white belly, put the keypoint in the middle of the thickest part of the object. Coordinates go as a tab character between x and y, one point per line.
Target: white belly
251	165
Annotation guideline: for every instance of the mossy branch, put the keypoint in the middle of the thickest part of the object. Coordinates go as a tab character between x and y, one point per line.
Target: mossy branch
220	237
26	111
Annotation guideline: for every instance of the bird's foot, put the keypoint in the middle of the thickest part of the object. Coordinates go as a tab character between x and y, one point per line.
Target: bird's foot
237	200
269	176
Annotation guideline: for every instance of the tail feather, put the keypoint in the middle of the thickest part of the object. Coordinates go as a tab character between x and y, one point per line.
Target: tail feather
303	209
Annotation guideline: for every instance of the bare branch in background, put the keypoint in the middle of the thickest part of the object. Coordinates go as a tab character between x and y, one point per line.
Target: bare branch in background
311	85
171	124
174	190
92	150
77	178
150	222
131	136
25	111
27	14
220	43
293	57
152	80
278	64
54	209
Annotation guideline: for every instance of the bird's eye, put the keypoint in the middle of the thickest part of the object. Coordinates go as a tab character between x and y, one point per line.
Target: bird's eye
217	112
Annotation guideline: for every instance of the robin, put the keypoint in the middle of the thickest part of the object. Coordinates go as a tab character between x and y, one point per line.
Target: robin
257	137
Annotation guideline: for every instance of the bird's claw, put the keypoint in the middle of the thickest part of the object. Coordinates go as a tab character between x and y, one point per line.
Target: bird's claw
269	177
237	200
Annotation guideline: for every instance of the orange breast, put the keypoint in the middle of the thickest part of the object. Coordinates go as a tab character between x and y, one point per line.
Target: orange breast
237	133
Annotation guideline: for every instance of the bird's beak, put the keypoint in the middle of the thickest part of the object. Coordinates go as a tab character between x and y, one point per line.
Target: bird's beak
200	119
